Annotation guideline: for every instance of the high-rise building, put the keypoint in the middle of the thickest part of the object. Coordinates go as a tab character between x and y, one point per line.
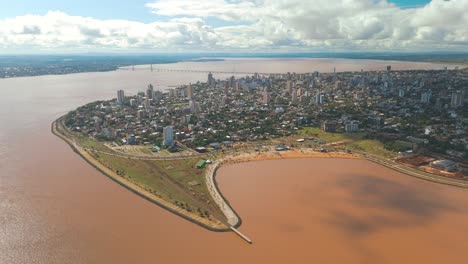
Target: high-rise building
232	81
190	91
389	67
289	86
211	80
401	93
266	98
172	92
168	136
294	95
194	107
457	99
149	91
157	95
120	97
140	114
147	104
226	89
335	77
319	98
237	86
426	97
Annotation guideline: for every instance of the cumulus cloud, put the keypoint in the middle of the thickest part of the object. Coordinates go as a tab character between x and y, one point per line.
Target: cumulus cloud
262	25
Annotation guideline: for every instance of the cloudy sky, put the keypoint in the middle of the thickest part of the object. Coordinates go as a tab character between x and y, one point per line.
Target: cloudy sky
27	26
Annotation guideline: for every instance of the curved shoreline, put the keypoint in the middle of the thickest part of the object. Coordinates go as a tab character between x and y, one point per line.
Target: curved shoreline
223	203
233	219
137	189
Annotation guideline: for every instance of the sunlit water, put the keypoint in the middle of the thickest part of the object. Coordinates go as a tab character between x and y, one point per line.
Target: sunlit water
55	208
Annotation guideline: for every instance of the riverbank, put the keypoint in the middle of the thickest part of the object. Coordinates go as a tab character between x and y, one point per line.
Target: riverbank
192	217
229	217
233	220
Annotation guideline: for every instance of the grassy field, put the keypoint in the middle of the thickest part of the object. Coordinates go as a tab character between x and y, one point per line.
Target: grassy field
329	137
92	144
167	179
354	141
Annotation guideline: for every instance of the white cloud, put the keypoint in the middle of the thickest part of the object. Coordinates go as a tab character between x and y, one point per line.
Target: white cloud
267	25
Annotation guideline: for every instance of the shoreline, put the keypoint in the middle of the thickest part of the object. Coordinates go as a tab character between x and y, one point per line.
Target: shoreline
139	190
233	219
223	203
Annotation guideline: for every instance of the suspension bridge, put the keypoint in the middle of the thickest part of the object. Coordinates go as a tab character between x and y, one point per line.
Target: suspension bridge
154	69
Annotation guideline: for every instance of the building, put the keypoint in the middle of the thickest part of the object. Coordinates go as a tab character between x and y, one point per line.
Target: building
211	80
149	91
401	93
120	97
319	99
426	97
147	104
201	163
457	99
140	114
266	98
168	136
289	86
351	127
294	96
190	91
329	126
445	165
389	67
131	140
194	107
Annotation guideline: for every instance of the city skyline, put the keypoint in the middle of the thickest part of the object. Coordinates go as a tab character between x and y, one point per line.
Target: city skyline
182	26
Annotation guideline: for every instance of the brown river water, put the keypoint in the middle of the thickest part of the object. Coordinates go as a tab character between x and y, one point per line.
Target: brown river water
55	208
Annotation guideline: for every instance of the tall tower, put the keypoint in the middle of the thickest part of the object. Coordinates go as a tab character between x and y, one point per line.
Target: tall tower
120	97
149	91
266	97
168	136
190	91
335	78
289	86
211	80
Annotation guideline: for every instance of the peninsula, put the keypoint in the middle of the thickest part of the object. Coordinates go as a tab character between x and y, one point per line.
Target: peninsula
166	146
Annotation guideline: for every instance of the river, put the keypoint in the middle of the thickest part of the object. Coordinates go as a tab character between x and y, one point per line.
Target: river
55	208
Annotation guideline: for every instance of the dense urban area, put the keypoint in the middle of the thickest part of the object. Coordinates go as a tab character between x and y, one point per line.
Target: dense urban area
410	112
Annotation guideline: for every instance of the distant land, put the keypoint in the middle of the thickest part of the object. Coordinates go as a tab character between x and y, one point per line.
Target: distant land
35	65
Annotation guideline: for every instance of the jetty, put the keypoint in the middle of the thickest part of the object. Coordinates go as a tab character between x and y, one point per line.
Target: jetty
241	235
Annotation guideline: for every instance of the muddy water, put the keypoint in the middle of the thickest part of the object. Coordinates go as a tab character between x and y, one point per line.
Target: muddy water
55	208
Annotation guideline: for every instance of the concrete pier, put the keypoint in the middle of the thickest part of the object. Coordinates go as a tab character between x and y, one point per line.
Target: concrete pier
241	235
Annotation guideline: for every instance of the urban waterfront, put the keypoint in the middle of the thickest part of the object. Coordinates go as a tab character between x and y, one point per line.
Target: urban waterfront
58	209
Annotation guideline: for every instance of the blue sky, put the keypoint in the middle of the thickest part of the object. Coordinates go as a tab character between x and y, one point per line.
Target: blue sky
134	10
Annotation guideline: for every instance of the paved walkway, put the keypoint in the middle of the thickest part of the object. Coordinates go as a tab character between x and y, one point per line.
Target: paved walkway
210	174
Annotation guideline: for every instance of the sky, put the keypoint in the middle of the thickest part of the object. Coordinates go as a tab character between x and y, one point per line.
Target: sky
58	26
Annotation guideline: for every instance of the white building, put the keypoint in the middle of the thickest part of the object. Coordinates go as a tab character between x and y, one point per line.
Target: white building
457	99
